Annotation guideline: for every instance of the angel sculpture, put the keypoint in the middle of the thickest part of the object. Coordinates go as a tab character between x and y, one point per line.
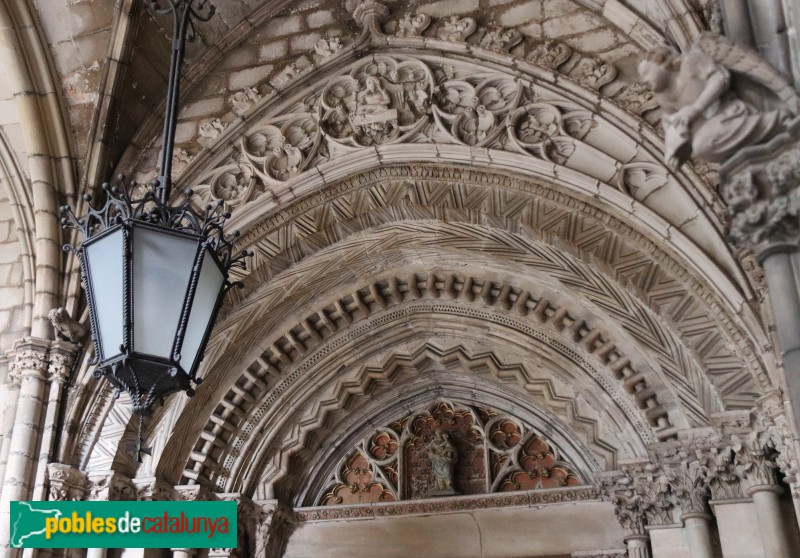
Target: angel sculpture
702	112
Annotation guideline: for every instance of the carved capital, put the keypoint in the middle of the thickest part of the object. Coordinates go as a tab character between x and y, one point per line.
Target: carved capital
28	359
66	482
62	357
723	480
690	486
275	522
193	492
755	456
153	489
761	186
111	486
629	505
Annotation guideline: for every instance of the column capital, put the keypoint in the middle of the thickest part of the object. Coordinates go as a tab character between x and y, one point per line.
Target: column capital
110	485
631	501
689	483
761	186
28	358
66	482
275	522
153	488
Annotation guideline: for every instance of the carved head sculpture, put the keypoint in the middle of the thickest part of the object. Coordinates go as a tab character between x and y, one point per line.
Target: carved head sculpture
656	68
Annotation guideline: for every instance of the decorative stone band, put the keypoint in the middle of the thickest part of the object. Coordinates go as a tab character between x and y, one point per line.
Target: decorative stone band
444	505
761	185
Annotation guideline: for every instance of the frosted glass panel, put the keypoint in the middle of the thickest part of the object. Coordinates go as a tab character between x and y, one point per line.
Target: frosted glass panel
162	265
104	263
208	288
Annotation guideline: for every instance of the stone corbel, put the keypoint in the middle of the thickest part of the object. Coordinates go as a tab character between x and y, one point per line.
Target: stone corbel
369	15
66	483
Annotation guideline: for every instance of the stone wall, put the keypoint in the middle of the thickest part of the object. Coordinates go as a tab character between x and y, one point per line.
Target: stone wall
12	325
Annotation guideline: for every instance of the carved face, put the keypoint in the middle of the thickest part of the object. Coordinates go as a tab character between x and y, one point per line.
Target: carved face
654	75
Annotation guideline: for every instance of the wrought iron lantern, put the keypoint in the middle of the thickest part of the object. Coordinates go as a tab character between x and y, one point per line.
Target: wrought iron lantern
155	274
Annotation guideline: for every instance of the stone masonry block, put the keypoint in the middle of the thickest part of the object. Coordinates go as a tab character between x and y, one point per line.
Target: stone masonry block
319	19
250	76
305	42
521	14
282	26
444	8
273	51
202	108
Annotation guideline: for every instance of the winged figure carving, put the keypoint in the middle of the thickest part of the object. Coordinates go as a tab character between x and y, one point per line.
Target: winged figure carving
706	96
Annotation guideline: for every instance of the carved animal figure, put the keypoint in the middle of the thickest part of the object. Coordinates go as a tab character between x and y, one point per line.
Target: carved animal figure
66	327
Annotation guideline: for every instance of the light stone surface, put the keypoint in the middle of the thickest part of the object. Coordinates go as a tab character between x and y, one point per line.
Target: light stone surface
487	534
669	542
738	530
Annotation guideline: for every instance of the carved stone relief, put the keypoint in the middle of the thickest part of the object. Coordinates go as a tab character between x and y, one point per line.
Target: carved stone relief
442	450
702	114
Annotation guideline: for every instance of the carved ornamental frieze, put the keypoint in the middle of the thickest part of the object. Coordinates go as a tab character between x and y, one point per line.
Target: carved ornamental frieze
446	450
400	99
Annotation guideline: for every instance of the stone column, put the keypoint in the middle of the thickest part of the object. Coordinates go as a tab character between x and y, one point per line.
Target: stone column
755	462
689	484
630	508
761	186
61	357
30	363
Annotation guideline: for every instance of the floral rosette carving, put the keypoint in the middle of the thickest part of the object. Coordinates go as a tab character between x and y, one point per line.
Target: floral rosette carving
472	114
234	183
356	484
383	101
535	466
538	129
279	153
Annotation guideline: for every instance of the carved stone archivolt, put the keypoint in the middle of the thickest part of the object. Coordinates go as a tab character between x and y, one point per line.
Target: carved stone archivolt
391	99
447	449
